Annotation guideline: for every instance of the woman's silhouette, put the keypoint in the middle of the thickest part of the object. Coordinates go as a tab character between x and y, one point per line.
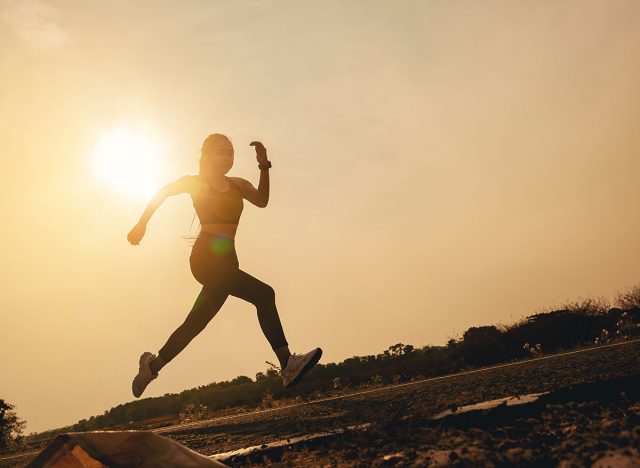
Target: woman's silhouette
218	201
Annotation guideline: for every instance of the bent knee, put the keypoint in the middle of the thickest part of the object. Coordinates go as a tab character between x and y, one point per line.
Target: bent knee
266	294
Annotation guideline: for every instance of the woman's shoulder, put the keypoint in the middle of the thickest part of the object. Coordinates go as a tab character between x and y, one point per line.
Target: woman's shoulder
191	183
239	182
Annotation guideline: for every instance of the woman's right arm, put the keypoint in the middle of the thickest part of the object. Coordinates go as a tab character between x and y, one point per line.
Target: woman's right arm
182	185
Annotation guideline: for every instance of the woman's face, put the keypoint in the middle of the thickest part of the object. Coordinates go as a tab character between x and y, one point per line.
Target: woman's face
222	158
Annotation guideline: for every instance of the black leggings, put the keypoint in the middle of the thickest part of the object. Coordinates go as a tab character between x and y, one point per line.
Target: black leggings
214	264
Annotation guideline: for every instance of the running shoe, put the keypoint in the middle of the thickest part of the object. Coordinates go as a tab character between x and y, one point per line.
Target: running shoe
145	376
298	365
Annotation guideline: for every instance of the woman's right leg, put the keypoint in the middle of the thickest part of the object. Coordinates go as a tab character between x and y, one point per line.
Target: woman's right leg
207	304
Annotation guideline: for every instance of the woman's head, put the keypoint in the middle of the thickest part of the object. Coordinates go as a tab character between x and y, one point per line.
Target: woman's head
216	155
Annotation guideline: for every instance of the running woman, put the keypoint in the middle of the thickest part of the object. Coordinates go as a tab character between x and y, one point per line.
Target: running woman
218	201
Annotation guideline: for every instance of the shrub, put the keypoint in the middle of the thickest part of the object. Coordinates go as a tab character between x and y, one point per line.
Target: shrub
629	299
483	345
588	306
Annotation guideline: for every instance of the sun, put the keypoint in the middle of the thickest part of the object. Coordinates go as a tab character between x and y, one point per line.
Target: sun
129	162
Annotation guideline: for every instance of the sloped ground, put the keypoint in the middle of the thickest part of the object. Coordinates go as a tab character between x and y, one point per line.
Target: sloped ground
575	430
597	427
563	432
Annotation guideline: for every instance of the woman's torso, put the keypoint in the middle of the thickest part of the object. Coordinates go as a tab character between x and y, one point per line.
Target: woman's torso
219	211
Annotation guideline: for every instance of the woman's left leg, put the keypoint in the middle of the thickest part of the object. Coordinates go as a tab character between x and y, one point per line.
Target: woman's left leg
260	294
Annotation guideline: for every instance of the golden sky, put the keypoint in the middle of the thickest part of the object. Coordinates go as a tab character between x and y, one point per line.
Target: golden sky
436	165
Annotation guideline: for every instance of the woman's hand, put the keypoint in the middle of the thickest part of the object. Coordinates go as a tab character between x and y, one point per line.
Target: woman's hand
136	234
261	152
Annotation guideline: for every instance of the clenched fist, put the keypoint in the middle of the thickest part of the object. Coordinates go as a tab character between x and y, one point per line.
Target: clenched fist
136	234
261	152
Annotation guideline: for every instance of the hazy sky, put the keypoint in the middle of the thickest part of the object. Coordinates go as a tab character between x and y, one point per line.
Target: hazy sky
436	165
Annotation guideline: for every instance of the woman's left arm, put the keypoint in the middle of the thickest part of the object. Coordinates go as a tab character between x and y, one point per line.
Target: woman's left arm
259	196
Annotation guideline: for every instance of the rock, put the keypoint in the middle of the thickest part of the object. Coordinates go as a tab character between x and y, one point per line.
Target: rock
393	457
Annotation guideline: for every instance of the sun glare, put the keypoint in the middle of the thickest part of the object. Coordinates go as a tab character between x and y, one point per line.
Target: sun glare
129	162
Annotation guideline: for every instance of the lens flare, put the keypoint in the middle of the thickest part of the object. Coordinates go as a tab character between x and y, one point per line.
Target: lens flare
220	246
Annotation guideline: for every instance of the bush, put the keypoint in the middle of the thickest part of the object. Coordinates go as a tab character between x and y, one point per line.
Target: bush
483	345
589	306
629	299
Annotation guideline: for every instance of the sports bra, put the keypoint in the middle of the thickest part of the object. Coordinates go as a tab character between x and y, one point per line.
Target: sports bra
214	207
